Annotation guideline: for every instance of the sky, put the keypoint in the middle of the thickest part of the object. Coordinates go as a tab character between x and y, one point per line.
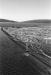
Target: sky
22	10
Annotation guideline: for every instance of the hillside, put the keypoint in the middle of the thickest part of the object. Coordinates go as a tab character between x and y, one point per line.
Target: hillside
31	23
5	20
38	21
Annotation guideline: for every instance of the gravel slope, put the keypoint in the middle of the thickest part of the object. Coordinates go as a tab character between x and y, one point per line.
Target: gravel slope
12	61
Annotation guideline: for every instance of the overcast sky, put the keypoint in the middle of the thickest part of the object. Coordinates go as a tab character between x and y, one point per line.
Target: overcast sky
21	10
